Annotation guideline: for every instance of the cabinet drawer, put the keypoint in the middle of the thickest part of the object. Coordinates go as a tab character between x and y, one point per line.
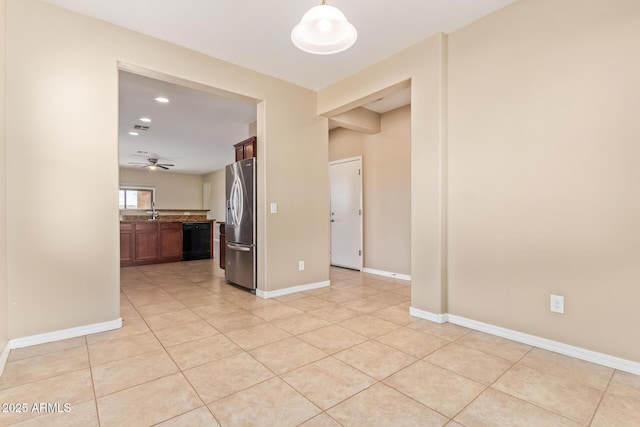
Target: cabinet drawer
171	226
146	226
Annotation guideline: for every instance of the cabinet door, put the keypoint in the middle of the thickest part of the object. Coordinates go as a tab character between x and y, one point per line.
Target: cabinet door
170	241
146	242
245	149
126	244
239	152
250	148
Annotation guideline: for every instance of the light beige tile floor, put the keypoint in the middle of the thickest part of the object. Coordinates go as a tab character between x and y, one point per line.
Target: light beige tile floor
195	351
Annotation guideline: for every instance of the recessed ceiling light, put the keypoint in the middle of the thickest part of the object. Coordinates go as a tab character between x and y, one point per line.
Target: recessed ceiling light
145	119
133	133
162	99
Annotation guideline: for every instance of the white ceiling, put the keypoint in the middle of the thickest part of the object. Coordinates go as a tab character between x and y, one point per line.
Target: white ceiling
256	33
195	130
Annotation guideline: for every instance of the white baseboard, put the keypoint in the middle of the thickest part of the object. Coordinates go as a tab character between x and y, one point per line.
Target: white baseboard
291	290
387	274
65	334
432	317
555	346
4	356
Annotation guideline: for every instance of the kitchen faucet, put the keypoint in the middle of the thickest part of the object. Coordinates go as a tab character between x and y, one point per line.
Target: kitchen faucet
154	213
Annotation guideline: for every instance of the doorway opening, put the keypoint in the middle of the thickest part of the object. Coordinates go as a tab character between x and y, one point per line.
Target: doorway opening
378	131
175	138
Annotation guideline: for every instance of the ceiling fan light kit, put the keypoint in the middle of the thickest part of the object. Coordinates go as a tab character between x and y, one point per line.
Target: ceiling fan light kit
152	164
324	30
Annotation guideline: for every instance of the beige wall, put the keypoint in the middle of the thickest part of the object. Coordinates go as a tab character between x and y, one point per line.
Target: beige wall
541	168
217	196
3	186
65	76
544	149
346	143
424	65
173	190
386	165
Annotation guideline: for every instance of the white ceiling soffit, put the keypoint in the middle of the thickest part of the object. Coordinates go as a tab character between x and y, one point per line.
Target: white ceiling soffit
391	102
195	131
256	34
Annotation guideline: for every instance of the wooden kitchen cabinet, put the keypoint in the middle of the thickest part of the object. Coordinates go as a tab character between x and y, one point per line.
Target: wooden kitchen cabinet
150	242
170	241
245	149
126	243
146	241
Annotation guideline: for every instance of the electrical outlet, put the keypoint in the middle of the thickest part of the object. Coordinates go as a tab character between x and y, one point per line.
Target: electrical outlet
300	265
557	304
274	208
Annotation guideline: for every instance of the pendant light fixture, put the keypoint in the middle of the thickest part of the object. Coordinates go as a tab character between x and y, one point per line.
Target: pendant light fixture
324	30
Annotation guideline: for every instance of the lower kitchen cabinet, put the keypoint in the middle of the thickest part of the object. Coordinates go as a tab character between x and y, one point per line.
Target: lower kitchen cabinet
146	242
127	248
170	243
150	242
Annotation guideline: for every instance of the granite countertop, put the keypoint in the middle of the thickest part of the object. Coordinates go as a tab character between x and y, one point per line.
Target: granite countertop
166	218
165	215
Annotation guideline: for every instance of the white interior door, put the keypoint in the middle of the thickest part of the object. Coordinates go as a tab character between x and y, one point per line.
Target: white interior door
346	213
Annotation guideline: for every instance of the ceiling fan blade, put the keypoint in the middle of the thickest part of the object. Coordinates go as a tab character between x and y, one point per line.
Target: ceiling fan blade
166	164
162	166
138	164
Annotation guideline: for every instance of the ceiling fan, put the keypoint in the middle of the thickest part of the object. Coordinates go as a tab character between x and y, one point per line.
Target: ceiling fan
152	164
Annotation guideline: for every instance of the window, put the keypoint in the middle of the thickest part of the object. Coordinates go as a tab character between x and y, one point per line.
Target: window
136	198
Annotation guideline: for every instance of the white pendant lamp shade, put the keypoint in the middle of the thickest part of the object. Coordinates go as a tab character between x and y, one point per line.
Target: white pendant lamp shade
324	30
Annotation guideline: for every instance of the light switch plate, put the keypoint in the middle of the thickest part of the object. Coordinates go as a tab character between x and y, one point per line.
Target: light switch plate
557	304
274	208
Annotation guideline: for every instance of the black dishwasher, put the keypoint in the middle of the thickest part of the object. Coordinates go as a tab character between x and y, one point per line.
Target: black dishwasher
196	240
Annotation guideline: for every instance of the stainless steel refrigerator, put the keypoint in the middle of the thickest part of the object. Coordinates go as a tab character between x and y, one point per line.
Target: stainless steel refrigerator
240	224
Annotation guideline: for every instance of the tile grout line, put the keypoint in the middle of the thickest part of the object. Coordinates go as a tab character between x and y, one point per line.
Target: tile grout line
44	379
182	372
521	361
489	386
523	400
602	397
93	384
204	404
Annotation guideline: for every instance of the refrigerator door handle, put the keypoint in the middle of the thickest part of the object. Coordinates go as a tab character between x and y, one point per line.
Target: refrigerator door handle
238	248
236	202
